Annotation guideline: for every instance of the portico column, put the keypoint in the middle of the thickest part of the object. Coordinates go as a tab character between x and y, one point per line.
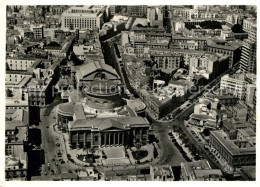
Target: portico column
141	135
147	135
134	136
114	138
92	138
123	137
77	139
101	138
105	137
109	139
118	138
84	143
70	138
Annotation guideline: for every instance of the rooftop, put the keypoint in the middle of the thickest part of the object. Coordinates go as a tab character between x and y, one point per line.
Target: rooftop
106	123
230	146
86	10
250	171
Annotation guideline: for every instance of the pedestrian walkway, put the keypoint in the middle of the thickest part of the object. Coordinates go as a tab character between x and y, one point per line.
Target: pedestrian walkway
115	156
114	152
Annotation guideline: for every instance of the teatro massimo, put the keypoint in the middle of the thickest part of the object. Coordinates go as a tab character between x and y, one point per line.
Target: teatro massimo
101	117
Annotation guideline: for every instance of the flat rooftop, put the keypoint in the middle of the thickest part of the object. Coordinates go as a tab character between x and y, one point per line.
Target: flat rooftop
230	146
86	10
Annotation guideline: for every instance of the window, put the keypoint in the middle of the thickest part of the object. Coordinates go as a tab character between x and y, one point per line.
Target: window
96	138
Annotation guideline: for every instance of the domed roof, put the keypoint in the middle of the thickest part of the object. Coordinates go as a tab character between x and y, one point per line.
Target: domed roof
66	109
102	87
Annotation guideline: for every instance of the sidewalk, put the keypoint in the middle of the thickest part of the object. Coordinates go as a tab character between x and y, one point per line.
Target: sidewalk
185	149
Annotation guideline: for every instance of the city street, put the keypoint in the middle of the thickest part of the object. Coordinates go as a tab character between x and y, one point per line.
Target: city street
171	154
49	141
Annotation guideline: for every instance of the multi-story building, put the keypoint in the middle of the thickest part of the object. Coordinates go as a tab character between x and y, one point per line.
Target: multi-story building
233	153
177	26
248	23
155	16
248	56
83	17
137	11
168	62
210	66
38	32
240	85
184	12
16	136
233	19
227	35
232	49
201	41
19	63
207	112
61	50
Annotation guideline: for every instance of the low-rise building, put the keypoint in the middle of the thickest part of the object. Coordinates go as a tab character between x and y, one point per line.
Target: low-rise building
161	173
200	171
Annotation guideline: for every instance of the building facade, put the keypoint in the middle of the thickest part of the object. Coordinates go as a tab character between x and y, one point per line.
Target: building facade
83	17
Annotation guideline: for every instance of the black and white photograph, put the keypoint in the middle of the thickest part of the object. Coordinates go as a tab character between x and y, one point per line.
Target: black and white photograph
129	92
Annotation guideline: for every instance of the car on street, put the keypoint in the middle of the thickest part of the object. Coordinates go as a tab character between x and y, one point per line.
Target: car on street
48	164
56	163
57	144
61	161
45	173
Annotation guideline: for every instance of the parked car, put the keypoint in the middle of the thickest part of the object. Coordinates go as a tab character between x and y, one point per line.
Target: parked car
187	118
61	161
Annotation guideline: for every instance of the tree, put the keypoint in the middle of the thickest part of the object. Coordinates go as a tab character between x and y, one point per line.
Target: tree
237	28
9	93
92	150
211	25
140	25
189	26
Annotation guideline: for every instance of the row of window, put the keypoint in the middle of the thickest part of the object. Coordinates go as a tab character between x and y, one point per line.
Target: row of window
21	61
10	107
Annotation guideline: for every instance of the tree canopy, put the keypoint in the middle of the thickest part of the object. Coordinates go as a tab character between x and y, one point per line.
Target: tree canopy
237	28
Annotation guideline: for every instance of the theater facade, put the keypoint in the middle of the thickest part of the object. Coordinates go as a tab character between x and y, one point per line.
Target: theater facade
102	117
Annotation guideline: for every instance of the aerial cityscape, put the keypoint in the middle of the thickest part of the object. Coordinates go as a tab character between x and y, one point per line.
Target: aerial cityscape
130	93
